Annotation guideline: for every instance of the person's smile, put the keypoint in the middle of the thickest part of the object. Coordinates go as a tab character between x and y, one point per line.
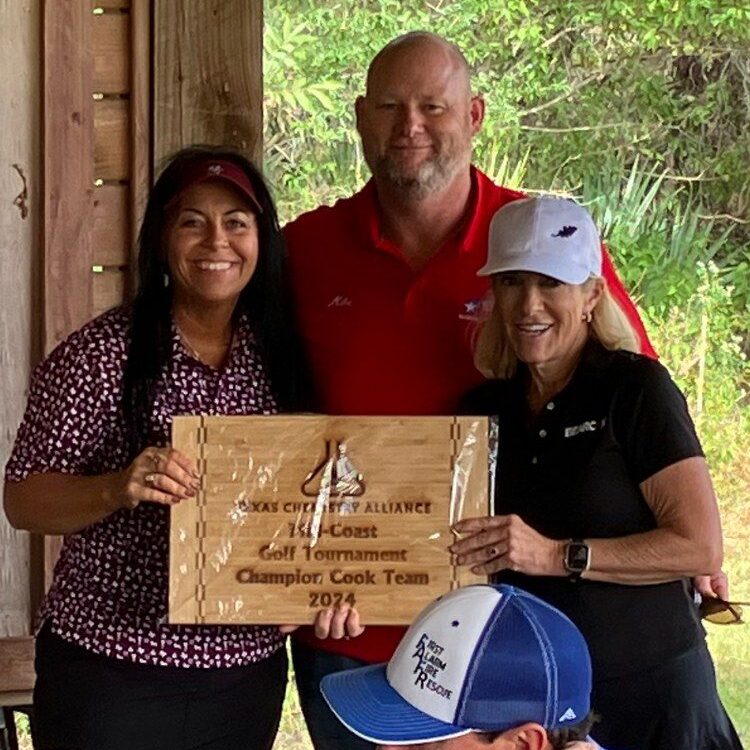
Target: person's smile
214	266
533	330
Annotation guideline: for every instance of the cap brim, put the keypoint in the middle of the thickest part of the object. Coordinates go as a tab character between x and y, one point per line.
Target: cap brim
242	189
366	704
547	265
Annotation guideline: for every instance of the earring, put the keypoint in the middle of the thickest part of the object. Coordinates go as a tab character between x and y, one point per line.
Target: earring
586	317
165	279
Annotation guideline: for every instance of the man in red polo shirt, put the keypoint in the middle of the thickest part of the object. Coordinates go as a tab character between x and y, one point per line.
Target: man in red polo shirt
387	292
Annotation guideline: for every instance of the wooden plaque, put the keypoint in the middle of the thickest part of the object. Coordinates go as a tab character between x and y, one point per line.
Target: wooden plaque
298	513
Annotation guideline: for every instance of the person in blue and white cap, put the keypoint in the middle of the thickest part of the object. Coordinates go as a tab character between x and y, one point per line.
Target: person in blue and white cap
486	666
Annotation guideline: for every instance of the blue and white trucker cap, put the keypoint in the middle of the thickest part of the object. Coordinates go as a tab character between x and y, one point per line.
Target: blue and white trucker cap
482	658
548	235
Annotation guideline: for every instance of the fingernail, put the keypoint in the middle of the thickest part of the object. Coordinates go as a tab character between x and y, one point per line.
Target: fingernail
190	493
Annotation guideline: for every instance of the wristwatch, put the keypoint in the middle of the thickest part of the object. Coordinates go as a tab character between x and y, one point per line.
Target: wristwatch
576	558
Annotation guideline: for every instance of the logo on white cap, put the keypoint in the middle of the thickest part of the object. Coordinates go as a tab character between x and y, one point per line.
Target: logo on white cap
431	663
566	231
429	666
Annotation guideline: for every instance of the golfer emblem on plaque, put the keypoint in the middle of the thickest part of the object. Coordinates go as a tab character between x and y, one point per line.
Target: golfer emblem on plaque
335	475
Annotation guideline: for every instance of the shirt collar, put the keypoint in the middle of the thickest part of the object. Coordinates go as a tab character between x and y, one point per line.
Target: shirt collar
367	216
243	340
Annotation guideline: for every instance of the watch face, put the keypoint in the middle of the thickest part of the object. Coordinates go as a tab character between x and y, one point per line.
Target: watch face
577	558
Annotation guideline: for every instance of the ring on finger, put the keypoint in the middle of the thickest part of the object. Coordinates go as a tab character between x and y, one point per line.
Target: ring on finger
150	479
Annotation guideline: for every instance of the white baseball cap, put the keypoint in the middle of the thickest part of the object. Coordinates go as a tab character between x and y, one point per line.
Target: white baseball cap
552	236
482	658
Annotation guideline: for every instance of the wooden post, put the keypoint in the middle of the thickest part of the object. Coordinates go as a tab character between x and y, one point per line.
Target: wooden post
68	167
140	113
20	316
208	84
19	274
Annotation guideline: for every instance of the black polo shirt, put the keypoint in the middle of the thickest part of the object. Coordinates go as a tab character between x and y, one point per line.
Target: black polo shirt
575	470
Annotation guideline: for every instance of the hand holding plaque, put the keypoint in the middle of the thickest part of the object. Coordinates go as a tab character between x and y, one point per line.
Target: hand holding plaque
301	513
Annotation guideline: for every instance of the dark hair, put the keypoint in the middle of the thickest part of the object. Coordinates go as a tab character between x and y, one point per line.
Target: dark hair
266	300
558	738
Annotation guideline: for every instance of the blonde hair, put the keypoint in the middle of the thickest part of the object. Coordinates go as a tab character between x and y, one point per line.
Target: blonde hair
494	356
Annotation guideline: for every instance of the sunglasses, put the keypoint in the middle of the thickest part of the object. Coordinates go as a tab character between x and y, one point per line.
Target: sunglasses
721	612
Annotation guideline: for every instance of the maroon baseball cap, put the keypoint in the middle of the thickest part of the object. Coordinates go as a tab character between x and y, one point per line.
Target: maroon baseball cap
220	169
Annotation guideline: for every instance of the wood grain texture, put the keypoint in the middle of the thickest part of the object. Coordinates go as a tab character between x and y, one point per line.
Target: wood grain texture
68	146
109	289
110	5
111	140
207	75
16	664
110	36
110	239
267	542
184	529
140	119
20	311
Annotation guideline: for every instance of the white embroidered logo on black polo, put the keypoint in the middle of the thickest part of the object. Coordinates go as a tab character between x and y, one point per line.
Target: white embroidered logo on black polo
590	425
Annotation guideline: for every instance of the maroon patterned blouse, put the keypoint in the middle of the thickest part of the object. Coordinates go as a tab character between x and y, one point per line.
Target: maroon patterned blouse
109	592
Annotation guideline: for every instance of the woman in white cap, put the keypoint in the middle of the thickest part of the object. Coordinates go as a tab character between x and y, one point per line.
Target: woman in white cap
604	504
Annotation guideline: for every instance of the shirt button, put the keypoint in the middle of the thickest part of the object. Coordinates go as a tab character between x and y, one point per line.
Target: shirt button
550	406
542	433
534	460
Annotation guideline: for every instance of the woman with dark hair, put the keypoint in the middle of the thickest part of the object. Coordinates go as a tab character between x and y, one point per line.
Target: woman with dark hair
210	331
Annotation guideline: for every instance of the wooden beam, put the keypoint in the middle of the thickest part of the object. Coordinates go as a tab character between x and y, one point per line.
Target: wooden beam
111	52
20	307
208	75
68	149
109	289
111	140
111	229
140	117
111	4
16	664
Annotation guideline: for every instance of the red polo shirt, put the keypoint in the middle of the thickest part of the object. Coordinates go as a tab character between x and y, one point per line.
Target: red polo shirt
385	339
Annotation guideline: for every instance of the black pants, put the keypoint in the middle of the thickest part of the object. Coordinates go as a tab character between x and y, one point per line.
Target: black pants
310	666
674	706
83	701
